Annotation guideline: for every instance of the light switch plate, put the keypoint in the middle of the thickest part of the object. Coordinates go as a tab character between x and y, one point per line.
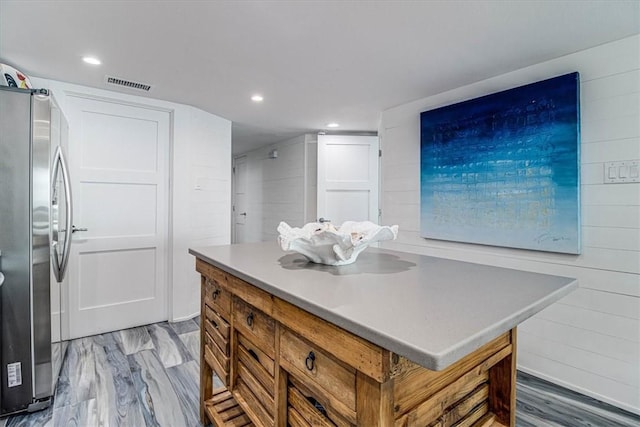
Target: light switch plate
622	172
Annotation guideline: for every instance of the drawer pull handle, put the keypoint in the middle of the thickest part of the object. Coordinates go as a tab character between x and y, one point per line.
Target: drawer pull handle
250	319
310	361
253	354
317	405
215	293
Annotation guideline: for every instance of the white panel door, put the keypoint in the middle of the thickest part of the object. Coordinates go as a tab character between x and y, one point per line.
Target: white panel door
347	178
119	172
240	187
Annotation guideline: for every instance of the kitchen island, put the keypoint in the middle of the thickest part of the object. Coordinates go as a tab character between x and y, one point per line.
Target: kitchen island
393	339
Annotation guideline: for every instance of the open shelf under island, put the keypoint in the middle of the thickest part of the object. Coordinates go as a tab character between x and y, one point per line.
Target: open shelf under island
396	339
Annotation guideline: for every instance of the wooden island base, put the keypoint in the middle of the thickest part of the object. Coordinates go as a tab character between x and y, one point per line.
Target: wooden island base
283	366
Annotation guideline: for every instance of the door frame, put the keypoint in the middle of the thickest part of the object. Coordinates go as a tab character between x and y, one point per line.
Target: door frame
233	194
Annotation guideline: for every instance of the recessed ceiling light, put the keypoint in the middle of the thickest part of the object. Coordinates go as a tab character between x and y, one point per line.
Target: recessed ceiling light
257	98
91	60
333	125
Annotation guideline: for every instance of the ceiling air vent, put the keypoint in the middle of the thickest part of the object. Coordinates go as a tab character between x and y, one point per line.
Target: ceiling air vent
127	83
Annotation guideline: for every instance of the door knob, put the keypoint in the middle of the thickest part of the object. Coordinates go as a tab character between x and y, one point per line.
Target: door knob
243	214
322	220
74	229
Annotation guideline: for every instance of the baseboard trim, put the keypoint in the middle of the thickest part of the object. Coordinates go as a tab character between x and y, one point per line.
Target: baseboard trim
188	317
580	390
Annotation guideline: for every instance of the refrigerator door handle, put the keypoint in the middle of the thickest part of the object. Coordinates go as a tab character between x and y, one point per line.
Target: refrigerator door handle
60	164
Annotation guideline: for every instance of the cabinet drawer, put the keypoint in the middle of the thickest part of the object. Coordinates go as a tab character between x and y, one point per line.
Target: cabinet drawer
255	325
216	365
255	370
264	396
294	419
220	354
217	322
217	297
313	366
252	405
261	366
304	407
213	333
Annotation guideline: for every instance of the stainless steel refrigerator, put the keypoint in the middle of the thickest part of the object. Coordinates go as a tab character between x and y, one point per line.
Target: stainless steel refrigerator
35	239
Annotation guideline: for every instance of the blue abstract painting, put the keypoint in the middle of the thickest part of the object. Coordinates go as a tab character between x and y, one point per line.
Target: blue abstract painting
504	169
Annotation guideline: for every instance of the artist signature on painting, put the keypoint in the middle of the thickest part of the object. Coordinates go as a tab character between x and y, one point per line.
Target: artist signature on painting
547	237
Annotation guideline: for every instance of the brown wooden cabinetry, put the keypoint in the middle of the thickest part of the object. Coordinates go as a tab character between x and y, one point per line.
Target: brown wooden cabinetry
283	366
255	361
216	329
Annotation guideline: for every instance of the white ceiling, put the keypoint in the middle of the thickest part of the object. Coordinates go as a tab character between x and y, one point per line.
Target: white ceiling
314	61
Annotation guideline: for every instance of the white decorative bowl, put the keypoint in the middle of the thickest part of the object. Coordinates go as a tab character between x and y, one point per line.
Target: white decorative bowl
323	243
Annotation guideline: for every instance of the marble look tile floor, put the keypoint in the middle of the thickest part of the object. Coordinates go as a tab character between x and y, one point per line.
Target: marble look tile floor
149	377
541	403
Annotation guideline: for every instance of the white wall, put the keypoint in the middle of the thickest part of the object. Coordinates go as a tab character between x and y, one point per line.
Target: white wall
280	189
200	158
201	192
590	340
311	179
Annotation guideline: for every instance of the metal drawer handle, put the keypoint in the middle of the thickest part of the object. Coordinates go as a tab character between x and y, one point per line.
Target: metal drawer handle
253	354
215	293
250	319
317	405
310	361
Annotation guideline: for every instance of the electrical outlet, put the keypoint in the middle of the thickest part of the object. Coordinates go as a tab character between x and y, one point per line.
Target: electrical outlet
622	172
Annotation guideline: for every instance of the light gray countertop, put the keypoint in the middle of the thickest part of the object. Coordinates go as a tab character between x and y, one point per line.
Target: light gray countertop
430	310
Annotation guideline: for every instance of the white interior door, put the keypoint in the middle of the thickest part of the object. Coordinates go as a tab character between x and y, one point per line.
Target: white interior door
119	171
347	178
240	202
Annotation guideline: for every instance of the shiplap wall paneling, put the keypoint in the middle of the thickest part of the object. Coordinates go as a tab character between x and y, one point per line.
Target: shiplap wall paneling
311	178
283	188
590	340
276	188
